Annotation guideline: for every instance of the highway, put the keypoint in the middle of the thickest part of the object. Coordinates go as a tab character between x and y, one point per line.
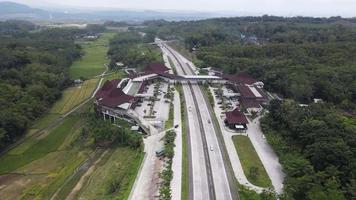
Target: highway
209	179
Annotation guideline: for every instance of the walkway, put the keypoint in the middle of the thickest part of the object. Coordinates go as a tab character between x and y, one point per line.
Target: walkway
147	180
268	158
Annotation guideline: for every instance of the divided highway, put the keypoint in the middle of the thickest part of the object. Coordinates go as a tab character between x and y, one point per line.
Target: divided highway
209	179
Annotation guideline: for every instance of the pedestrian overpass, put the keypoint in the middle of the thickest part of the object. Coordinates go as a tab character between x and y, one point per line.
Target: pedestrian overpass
199	78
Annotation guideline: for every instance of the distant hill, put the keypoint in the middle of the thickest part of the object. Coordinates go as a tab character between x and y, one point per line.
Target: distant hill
11	10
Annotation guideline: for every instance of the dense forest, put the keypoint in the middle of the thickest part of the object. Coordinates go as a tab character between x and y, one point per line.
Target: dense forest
317	148
131	49
34	70
301	59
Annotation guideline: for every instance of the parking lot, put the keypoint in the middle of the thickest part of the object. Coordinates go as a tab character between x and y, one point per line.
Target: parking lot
227	99
155	107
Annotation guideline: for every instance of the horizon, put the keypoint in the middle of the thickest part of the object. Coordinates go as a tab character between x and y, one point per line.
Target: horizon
311	8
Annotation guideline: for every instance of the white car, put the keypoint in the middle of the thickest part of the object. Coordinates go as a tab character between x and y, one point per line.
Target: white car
190	108
211	148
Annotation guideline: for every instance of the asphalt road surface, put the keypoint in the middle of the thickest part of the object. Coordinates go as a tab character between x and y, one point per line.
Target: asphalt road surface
209	178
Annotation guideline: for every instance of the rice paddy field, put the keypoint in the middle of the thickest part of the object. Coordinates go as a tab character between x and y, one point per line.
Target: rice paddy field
73	96
94	58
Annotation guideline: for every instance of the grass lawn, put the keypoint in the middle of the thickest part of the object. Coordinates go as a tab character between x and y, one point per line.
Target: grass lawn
251	163
185	162
44	121
114	176
116	75
169	122
73	96
94	58
40	148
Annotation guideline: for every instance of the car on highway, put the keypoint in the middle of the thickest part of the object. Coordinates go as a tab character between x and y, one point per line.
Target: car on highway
211	148
190	108
209	121
176	126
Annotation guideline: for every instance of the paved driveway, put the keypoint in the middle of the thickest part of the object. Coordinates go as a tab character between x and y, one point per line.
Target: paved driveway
265	152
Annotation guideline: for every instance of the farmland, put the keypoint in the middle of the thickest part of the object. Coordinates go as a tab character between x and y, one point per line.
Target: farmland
92	62
73	96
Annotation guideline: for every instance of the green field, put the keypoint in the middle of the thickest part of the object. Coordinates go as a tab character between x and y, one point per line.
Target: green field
185	162
37	147
251	163
114	75
73	96
94	57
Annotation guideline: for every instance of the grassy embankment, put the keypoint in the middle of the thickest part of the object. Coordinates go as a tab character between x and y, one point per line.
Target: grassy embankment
114	176
185	161
251	163
179	46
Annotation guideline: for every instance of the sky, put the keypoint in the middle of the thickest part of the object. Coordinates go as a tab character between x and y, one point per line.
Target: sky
345	8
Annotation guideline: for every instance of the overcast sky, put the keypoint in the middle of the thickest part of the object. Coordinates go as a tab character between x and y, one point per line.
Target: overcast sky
346	8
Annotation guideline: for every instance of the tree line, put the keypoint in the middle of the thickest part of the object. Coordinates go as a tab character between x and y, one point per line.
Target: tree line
317	148
132	49
34	67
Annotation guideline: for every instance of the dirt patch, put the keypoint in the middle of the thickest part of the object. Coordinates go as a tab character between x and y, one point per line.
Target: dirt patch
13	185
154	188
7	178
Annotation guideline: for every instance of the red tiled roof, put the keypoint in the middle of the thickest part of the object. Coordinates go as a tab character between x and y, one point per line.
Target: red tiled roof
250	103
156	68
245	91
242	77
107	87
111	96
236	117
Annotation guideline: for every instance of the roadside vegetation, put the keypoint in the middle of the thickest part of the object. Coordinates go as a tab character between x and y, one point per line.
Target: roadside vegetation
185	161
251	163
170	97
166	174
246	194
